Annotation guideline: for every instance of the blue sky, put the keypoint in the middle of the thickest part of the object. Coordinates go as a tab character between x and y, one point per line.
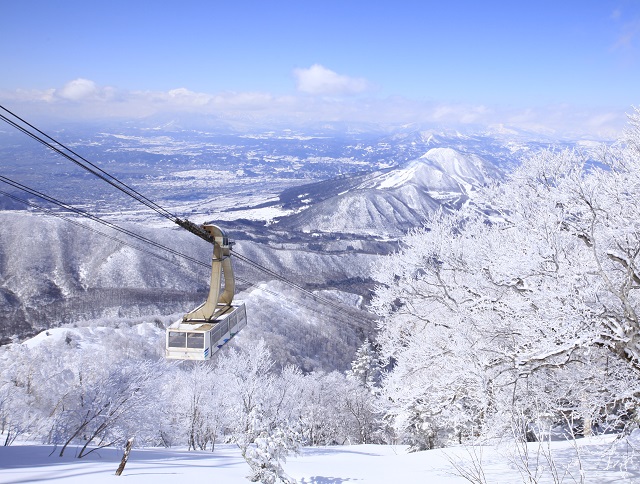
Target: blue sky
562	65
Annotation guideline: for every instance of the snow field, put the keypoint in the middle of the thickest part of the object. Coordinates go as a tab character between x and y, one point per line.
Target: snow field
602	461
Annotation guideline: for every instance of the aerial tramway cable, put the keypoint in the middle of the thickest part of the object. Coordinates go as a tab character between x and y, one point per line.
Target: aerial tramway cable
79	160
58	147
83	213
146	240
205	265
59	215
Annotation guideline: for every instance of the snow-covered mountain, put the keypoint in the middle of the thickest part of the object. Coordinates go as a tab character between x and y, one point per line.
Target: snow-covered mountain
349	197
439	170
387	203
57	273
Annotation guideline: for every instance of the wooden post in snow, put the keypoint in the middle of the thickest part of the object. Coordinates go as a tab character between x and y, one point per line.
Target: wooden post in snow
125	457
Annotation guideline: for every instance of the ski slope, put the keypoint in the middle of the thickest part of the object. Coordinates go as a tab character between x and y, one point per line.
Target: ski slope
599	460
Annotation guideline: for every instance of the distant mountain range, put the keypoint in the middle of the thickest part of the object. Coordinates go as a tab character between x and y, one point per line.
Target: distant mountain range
389	202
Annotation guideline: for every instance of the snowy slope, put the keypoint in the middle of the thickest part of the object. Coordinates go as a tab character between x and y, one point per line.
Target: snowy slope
390	202
367	212
143	339
302	332
439	170
592	461
53	272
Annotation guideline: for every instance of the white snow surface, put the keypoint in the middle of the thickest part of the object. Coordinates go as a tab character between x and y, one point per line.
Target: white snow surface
466	168
438	169
90	337
364	464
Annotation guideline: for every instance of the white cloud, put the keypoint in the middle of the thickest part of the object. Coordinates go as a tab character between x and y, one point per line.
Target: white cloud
184	96
84	99
318	79
78	89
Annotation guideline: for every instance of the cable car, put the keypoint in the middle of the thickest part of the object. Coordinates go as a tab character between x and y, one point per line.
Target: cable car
206	329
200	340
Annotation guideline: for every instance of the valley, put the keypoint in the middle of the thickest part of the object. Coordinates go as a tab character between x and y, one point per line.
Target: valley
319	209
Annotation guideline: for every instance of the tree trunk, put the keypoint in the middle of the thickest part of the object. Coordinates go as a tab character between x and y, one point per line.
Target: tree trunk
125	457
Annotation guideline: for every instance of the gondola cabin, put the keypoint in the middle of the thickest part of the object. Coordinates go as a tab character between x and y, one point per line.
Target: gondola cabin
206	329
200	340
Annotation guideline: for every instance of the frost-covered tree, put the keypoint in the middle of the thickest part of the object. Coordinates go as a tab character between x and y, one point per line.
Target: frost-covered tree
36	383
323	420
366	368
97	409
62	393
269	450
532	298
259	410
247	379
192	393
17	415
361	413
63	389
360	400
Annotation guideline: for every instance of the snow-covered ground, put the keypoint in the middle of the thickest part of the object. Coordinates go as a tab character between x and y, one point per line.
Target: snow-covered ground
594	460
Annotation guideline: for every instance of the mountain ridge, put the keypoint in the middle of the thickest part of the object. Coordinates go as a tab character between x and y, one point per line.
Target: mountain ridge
389	202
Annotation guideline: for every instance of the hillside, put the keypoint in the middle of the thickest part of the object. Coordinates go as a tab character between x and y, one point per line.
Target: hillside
387	203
